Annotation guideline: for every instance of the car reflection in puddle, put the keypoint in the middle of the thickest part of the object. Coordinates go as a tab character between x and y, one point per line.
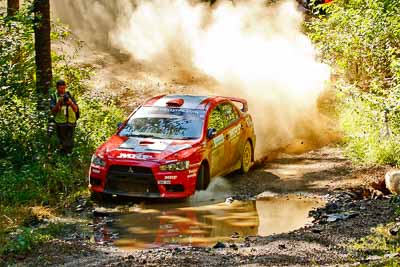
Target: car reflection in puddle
151	226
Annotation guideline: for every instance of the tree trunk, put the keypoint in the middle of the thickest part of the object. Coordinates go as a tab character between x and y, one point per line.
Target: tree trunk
43	52
12	7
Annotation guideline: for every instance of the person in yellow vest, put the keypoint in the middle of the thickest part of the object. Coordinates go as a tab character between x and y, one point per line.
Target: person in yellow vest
66	112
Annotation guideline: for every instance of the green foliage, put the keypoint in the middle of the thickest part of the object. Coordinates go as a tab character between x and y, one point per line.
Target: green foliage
100	120
38	177
62	66
360	40
367	137
17	89
30	170
379	243
17	57
23	241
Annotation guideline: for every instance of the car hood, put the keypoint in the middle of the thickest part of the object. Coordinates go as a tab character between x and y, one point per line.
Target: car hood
121	147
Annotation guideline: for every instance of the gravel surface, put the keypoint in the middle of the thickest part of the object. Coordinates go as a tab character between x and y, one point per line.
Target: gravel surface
350	214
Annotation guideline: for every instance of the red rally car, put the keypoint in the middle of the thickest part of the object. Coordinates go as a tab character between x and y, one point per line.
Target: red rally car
172	145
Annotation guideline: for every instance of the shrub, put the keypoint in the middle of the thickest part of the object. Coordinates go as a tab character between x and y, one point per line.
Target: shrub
30	171
359	39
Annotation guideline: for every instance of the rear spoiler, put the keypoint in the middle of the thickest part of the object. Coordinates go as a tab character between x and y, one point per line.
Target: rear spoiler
242	101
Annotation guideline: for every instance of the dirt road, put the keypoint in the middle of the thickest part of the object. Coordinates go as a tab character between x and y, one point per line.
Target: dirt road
348	215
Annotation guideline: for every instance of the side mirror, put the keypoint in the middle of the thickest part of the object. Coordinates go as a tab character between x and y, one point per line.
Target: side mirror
119	125
211	132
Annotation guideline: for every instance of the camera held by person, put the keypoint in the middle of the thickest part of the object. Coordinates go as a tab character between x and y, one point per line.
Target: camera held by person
65	99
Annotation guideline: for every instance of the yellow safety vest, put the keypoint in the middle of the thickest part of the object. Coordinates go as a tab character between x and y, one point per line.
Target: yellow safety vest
66	114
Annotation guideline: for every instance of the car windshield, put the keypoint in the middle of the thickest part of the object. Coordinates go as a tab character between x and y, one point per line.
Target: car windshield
165	123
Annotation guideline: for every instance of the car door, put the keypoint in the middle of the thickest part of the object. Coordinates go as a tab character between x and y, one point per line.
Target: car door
232	133
217	143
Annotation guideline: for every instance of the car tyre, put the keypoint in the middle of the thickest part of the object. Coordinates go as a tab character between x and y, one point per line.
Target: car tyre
97	196
201	178
247	157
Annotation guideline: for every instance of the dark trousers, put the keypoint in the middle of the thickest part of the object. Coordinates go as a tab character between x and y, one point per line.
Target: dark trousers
65	134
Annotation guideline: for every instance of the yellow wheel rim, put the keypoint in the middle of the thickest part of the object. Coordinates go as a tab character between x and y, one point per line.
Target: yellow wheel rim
246	162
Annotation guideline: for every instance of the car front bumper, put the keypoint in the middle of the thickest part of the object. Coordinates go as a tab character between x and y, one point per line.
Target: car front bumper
137	178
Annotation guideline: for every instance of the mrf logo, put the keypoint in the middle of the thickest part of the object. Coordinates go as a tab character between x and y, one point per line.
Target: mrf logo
133	156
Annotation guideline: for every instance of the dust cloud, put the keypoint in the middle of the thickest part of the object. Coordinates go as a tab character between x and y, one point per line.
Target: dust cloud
251	49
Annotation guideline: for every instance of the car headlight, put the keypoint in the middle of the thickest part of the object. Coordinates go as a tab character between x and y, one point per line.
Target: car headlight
176	166
96	160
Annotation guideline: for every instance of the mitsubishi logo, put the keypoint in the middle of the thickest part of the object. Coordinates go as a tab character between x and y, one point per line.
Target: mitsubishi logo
130	170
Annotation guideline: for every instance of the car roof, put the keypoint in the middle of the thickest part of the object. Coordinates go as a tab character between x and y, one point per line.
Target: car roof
189	101
192	101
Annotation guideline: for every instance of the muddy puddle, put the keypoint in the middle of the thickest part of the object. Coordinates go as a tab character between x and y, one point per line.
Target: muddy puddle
171	225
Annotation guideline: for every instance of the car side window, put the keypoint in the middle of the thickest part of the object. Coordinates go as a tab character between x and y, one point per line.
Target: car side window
222	116
229	112
216	119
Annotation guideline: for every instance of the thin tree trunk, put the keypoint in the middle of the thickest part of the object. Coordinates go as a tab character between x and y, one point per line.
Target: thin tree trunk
12	7
43	51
